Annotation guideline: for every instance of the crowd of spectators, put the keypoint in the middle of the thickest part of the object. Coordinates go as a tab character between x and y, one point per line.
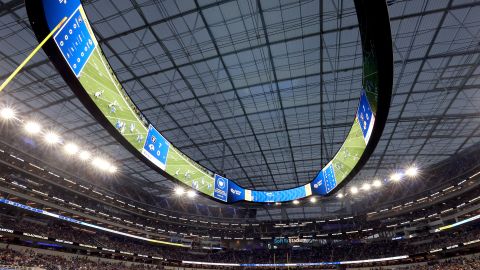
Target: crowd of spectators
29	258
451	264
328	251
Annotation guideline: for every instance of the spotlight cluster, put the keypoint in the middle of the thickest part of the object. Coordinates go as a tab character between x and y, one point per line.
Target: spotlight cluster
397	176
180	191
51	138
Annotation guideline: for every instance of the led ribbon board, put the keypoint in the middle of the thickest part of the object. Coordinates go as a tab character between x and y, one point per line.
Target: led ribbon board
78	57
386	259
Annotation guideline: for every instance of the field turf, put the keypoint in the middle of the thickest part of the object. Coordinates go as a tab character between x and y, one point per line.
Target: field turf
350	152
106	92
182	168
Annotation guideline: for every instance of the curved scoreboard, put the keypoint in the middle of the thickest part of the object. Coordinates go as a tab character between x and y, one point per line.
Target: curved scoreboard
76	54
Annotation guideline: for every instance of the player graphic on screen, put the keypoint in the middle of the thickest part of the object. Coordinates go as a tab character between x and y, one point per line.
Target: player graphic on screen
119	124
113	106
98	94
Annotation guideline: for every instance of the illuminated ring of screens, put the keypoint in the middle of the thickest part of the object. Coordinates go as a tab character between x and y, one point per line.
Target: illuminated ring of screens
79	59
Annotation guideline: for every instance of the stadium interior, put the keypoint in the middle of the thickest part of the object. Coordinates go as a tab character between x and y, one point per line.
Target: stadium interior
217	134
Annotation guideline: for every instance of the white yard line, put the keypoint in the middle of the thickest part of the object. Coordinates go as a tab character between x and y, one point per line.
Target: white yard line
181	156
120	93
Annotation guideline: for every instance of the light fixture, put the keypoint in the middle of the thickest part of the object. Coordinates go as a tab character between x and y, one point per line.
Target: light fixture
313	200
396	177
340	195
191	194
101	163
377	183
366	186
412	171
278	203
296	202
179	191
7	113
71	148
84	155
112	169
51	137
354	190
32	127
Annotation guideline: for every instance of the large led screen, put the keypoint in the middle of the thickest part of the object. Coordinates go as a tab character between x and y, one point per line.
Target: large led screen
79	58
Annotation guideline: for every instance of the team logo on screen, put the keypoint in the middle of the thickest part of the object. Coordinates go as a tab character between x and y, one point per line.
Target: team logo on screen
221	182
221	188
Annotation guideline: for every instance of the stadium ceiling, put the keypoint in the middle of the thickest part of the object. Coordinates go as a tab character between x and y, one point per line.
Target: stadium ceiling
264	91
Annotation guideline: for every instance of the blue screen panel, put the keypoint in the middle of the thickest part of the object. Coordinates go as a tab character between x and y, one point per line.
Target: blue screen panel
221	188
56	10
318	184
235	192
279	196
330	180
325	181
75	42
156	148
365	117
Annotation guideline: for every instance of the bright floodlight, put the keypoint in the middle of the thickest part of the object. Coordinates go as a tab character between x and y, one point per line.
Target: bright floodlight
7	113
366	186
179	191
278	203
377	183
412	171
71	148
296	202
32	127
112	169
354	190
395	177
84	155
340	195
52	137
101	163
191	193
313	200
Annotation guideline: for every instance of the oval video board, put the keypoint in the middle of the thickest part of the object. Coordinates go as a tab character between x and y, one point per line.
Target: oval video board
76	54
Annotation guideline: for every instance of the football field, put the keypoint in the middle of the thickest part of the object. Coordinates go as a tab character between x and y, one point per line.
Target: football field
182	168
350	152
106	92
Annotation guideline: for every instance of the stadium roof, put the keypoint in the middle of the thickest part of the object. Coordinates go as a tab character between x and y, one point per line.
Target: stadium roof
236	84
